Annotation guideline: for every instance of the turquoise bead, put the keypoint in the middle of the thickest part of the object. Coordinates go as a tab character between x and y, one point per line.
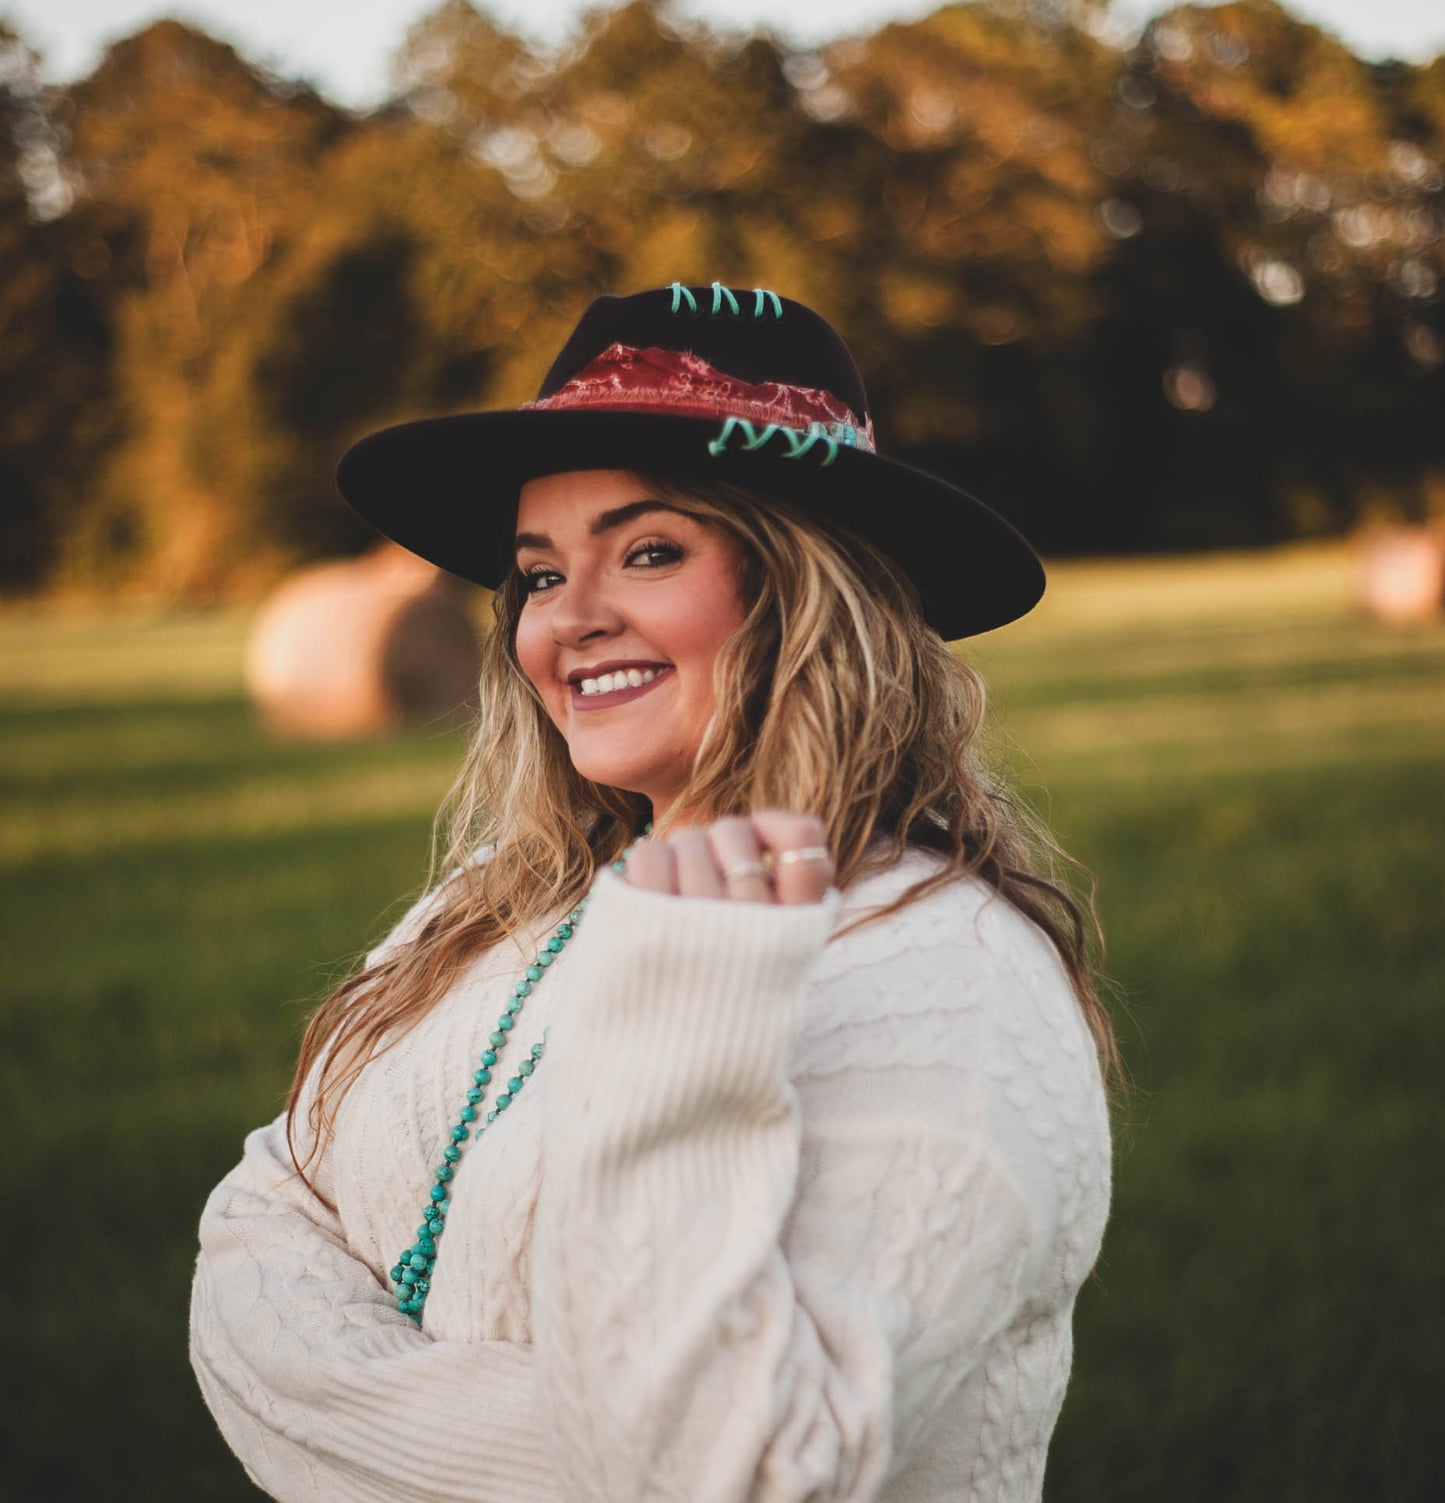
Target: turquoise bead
515	1006
418	1262
482	1077
526	1067
514	1085
503	1102
451	1153
537	1051
426	1245
506	1022
545	958
408	1276
437	1194
522	989
444	1173
491	1116
467	1114
497	1040
565	932
488	1057
534	973
555	945
474	1095
459	1133
434	1227
396	1274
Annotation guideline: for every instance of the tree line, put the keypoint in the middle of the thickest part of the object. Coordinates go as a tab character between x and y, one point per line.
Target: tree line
1177	295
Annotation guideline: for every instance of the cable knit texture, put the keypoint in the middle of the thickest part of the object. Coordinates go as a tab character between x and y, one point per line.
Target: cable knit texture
775	1219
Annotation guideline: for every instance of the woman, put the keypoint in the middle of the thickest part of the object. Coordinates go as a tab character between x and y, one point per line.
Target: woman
758	1157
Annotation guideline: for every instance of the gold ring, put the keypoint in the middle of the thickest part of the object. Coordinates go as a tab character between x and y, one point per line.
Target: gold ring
744	869
803	853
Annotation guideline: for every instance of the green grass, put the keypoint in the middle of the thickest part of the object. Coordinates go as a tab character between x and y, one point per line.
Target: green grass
1253	772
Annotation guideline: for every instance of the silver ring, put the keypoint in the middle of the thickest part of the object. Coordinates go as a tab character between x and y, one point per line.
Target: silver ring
744	869
804	853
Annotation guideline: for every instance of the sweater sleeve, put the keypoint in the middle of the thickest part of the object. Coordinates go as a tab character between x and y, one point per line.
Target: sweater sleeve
321	1387
751	1283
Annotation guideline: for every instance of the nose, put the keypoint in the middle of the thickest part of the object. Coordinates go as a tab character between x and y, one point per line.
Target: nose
584	613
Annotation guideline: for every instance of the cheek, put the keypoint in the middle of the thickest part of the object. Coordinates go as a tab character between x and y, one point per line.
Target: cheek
702	623
534	652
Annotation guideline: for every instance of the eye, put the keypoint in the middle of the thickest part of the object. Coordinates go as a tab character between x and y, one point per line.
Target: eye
538	578
653	554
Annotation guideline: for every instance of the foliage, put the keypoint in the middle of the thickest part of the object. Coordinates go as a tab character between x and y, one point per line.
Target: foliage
1184	294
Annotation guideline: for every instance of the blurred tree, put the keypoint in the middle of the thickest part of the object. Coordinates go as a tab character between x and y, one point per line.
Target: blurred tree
1180	295
971	236
55	335
1256	359
197	173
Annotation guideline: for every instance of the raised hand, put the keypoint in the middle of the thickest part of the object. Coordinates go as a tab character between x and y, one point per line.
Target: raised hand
772	856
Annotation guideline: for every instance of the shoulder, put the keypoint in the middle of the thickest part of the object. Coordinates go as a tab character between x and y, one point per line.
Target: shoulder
956	975
410	924
961	940
954	1017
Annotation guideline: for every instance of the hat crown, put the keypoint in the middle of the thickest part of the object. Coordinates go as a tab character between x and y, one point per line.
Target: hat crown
749	333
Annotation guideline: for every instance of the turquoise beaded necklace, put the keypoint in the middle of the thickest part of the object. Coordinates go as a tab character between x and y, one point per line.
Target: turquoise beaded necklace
412	1274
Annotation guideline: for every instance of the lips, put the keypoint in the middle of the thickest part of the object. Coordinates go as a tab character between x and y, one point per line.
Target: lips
581	701
612	665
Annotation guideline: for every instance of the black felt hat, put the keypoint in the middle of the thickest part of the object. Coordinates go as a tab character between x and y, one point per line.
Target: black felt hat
743	386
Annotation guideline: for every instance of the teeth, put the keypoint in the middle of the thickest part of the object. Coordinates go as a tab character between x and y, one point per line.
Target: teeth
624	678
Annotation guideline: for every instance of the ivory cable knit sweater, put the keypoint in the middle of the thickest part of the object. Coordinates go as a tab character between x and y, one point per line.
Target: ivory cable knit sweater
772	1221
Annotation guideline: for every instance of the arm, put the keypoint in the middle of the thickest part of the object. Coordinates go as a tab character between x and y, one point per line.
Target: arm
320	1386
746	1286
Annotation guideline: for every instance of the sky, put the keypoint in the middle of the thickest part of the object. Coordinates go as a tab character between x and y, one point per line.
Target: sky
344	47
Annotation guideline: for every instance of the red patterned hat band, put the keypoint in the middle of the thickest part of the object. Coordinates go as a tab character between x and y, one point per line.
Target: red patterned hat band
675	383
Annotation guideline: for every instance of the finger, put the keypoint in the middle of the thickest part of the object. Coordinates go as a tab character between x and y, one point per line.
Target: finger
803	868
740	860
650	864
698	875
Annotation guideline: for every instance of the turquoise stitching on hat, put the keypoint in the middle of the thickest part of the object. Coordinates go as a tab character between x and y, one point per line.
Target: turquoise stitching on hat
681	294
763	295
719	292
800	441
752	439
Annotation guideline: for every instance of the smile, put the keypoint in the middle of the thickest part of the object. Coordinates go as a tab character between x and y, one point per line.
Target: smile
609	689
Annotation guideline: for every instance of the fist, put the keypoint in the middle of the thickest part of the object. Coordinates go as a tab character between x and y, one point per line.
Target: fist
773	856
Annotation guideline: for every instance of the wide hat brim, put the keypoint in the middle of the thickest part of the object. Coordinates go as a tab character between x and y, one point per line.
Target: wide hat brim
447	488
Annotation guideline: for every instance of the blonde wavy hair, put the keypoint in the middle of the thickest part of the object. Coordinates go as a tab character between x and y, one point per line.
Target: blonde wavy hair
834	697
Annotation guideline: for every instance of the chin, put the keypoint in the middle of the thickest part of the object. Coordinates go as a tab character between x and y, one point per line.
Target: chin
624	775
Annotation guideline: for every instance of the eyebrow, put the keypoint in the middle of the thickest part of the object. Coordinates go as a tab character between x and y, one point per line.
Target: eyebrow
604	521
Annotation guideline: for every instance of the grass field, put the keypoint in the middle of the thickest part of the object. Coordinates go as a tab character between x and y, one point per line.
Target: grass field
1254	773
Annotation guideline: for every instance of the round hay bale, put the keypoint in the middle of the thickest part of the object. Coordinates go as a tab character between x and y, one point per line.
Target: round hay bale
1402	574
362	649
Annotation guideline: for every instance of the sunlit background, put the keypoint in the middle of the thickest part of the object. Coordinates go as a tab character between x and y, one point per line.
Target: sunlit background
1164	285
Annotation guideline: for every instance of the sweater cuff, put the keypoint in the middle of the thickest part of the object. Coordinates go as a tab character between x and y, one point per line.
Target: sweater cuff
675	1005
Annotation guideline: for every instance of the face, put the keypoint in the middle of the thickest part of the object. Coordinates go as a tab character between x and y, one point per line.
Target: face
628	603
